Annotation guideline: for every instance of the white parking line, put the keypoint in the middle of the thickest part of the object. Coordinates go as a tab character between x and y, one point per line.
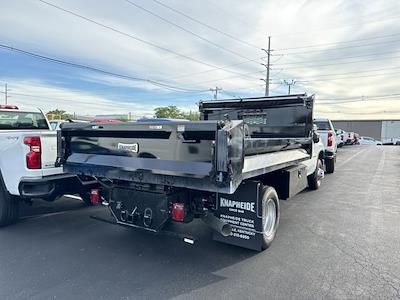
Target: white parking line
351	157
43	215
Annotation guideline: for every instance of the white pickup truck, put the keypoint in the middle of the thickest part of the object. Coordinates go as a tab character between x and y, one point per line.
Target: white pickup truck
315	171
27	163
328	136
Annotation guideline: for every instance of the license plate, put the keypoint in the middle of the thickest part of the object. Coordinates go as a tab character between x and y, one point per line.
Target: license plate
129	147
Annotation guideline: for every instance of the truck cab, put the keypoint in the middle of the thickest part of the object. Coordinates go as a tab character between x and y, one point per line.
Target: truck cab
28	148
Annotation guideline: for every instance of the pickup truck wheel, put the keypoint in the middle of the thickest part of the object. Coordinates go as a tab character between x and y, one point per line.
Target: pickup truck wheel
330	165
314	180
270	215
86	198
9	207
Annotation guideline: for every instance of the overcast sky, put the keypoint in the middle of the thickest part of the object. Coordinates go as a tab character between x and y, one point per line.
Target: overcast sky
343	51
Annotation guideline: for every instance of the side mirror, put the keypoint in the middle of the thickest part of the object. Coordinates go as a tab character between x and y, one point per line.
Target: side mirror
315	137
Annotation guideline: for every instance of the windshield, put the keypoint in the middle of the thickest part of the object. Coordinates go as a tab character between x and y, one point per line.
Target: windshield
16	120
322	125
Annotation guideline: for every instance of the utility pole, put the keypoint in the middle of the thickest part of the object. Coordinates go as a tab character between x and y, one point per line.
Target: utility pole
267	65
289	84
215	91
6	90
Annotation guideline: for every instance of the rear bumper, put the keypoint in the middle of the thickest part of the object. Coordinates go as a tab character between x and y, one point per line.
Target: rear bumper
49	187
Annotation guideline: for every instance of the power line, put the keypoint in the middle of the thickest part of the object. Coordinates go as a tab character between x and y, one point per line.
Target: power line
215	69
66	100
233	76
358	72
335	58
335	43
89	68
367	113
347	77
364	97
235	17
324	30
331	101
340	48
132	36
80	101
341	63
185	30
206	25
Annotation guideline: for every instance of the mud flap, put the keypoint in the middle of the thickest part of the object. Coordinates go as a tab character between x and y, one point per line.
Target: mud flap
242	210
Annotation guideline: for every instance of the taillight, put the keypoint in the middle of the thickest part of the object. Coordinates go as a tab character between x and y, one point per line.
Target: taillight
348	135
34	157
341	137
178	212
8	107
94	196
330	138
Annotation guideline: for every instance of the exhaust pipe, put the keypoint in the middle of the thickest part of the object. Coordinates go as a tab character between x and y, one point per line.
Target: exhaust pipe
217	224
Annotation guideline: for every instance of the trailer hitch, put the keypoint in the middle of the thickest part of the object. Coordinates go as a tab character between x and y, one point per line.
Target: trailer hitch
183	237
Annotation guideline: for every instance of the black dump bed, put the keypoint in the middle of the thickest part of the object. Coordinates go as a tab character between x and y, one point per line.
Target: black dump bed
236	139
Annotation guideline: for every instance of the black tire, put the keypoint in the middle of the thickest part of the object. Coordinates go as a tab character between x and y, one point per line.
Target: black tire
270	208
330	165
9	206
314	182
86	198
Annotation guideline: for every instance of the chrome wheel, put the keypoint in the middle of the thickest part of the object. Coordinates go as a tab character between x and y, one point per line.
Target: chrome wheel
269	217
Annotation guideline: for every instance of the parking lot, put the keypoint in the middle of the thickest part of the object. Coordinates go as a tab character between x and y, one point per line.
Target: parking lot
339	242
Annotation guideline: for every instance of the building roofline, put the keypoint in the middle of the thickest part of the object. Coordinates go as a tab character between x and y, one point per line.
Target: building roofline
367	120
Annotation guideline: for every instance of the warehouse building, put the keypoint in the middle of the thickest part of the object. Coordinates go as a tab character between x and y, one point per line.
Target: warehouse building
382	130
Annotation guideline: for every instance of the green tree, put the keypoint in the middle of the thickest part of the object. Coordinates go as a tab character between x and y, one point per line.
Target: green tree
173	112
58	114
191	115
168	112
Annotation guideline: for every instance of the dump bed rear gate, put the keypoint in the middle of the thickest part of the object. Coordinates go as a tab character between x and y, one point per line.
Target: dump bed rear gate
151	167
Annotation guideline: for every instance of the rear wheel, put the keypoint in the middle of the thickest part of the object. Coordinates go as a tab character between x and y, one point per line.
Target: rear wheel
9	207
314	180
270	215
330	165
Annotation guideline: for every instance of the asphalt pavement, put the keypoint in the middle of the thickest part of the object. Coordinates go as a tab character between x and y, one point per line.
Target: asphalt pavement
340	242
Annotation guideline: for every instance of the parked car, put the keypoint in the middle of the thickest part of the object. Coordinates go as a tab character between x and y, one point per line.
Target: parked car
28	148
106	121
356	139
340	137
366	140
349	138
328	136
391	141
